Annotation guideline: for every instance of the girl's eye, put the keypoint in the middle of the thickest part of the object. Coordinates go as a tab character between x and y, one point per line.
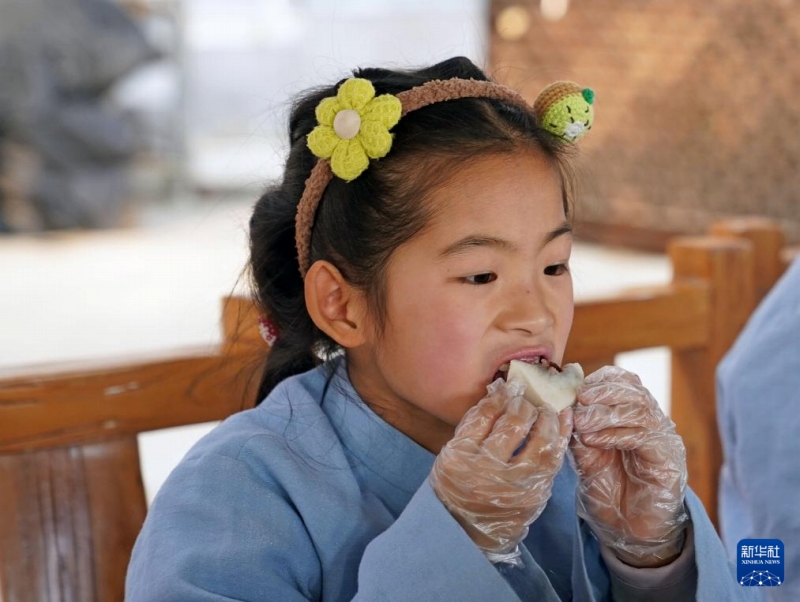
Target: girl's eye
481	278
556	270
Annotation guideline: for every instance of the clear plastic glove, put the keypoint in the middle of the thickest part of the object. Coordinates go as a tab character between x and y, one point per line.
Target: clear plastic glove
632	469
491	487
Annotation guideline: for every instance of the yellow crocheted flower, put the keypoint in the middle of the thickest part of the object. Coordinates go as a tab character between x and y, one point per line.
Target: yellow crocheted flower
354	127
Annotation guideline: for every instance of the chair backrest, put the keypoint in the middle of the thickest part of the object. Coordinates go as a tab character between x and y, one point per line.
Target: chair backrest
717	282
71	494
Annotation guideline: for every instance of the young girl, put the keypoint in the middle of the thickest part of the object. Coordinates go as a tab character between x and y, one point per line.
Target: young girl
418	242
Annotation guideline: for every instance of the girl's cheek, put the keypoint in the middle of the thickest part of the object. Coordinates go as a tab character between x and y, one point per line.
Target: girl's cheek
456	347
461	326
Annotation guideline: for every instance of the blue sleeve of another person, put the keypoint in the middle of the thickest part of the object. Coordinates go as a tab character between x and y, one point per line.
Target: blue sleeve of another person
758	409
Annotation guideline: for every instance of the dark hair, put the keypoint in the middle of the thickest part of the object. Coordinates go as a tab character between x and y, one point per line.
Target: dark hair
359	224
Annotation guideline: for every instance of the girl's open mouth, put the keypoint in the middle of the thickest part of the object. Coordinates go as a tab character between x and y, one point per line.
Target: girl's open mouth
545	363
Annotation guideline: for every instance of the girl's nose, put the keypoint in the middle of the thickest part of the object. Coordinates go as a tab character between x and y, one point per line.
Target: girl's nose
527	310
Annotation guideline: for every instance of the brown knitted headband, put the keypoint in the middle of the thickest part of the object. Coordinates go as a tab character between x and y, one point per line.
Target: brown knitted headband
411	100
563	108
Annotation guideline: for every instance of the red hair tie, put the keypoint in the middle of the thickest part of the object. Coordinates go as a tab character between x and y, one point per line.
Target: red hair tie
268	330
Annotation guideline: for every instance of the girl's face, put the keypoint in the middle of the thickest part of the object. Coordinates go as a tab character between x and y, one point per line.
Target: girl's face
485	282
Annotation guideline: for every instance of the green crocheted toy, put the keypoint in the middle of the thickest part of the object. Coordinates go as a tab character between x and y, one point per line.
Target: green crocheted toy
565	109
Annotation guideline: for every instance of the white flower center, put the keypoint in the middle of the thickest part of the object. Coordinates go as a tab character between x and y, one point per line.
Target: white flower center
346	124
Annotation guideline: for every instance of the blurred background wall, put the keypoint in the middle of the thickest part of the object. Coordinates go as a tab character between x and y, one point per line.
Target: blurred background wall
698	115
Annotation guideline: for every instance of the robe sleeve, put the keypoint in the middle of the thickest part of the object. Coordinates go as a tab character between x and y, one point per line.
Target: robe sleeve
758	409
202	542
701	572
426	555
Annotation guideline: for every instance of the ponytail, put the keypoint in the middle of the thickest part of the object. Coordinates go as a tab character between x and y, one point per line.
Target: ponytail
278	289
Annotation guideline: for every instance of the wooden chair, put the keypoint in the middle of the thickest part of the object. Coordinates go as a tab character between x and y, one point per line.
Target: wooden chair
717	282
71	493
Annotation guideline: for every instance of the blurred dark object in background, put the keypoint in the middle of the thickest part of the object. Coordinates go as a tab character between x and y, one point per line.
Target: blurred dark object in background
64	148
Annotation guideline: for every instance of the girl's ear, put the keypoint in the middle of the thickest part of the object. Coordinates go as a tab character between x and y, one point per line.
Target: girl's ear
336	307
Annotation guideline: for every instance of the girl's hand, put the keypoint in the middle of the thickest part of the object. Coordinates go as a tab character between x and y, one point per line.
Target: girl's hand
632	469
493	492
